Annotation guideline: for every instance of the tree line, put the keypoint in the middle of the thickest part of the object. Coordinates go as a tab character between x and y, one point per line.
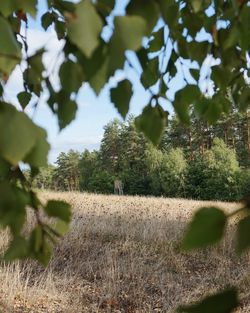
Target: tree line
198	161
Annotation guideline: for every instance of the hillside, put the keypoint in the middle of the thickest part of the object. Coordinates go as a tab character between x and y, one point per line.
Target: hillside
122	255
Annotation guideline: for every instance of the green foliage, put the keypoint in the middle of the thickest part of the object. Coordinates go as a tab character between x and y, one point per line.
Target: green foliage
16	146
169	175
206	228
144	169
10	52
84	27
24	98
216	174
58	209
8	7
243	239
66	174
223	302
152	122
121	95
88	164
102	182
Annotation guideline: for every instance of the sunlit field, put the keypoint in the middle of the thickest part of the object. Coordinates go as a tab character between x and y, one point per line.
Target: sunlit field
122	255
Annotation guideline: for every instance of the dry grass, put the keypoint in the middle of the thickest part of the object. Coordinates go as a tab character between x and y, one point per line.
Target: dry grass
121	255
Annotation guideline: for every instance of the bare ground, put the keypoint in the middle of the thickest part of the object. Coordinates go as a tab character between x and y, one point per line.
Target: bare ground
122	255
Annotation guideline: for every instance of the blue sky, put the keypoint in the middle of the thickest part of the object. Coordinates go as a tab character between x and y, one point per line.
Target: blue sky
86	131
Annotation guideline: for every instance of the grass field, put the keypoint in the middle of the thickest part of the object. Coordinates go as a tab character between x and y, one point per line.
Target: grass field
122	255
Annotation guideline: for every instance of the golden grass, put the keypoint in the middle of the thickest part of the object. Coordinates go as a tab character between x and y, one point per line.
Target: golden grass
121	255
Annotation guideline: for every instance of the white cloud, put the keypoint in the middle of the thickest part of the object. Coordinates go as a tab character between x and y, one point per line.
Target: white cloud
60	142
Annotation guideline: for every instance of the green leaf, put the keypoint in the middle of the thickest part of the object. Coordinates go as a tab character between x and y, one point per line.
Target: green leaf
24	98
163	89
221	76
46	252
244	28
5	169
148	10
121	96
15	23
58	209
18	249
170	12
232	37
206	228
60	29
171	68
13	201
158	42
10	52
33	74
62	227
152	122
36	240
142	56
151	74
209	109
244	101
9	7
19	135
71	76
197	51
183	99
85	27
222	302
195	73
66	109
64	6
39	154
105	7
243	234
39	247
47	19
95	69
193	22
197	5
136	27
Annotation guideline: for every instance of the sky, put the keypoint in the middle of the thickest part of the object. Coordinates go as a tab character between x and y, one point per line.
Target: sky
93	113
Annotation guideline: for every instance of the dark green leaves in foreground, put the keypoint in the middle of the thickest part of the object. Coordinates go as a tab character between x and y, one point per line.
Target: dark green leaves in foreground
58	209
206	228
8	7
24	98
37	244
13	201
121	95
21	137
85	27
222	302
10	52
243	234
152	122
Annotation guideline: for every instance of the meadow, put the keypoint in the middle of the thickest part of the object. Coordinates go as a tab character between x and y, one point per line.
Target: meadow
122	255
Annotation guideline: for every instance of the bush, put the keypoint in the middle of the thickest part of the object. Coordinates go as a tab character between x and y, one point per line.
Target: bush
101	182
135	182
244	183
169	178
215	175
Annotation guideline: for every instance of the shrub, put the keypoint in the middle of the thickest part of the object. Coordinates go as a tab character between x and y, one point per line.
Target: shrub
215	175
